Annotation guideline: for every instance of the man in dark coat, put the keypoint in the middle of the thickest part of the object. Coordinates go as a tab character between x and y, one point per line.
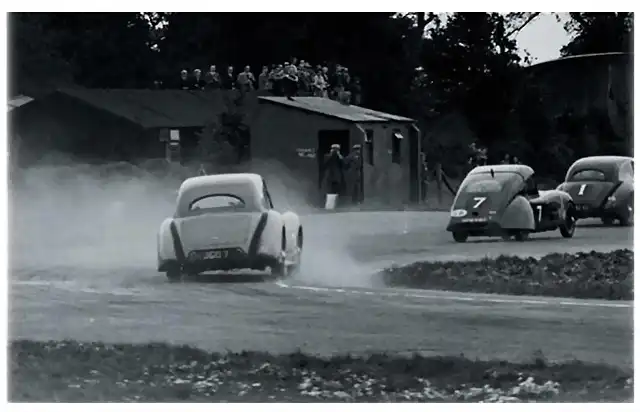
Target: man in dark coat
333	170
354	172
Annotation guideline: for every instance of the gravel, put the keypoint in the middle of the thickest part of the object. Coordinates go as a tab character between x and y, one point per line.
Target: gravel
70	371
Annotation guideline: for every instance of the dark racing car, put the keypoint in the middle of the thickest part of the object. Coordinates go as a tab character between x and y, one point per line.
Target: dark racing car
504	200
602	187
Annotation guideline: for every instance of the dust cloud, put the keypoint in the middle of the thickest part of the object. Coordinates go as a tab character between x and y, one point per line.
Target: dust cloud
96	219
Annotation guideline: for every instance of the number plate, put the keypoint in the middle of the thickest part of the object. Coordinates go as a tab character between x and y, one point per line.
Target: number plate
215	254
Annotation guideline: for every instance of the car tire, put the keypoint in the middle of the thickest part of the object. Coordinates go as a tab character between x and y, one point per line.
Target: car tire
279	268
460	237
295	268
174	275
568	227
521	235
607	221
627	218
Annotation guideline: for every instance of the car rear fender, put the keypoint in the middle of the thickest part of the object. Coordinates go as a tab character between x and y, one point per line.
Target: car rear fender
518	215
292	225
166	249
623	193
271	239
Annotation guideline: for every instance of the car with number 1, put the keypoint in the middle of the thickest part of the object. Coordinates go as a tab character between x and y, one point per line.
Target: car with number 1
602	187
227	222
504	200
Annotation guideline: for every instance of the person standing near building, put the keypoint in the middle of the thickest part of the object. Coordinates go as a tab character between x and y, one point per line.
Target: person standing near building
333	167
354	171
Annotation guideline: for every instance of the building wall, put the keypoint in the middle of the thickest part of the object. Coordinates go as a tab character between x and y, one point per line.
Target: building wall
291	137
60	124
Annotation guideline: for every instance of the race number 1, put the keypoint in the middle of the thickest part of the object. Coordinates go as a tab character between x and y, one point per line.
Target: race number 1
479	201
582	187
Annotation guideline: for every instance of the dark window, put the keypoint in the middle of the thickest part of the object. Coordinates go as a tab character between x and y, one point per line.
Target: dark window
587	175
368	144
215	203
396	146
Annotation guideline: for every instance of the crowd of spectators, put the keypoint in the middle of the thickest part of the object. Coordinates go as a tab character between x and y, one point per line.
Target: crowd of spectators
291	78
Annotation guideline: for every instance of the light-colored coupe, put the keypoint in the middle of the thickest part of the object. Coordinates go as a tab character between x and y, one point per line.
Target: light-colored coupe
225	222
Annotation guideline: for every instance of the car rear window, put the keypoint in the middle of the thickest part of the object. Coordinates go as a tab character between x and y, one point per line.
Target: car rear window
485	183
588	175
216	203
484	186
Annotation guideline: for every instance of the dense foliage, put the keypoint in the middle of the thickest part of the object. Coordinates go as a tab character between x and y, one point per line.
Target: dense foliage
593	275
471	68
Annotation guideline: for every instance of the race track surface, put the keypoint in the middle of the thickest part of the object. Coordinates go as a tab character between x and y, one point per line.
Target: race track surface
334	305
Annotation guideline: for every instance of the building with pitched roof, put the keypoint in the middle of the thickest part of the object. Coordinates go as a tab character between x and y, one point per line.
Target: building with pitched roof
299	131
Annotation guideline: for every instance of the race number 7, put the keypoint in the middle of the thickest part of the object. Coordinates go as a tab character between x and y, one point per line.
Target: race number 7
479	201
539	207
582	187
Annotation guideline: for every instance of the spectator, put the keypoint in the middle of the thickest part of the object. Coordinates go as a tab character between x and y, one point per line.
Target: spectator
246	80
333	170
353	164
228	80
212	78
506	160
319	84
277	80
345	96
356	92
290	81
306	76
516	161
197	82
184	80
424	176
264	83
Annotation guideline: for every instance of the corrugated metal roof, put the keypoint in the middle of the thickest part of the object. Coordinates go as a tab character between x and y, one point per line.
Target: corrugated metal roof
154	108
332	108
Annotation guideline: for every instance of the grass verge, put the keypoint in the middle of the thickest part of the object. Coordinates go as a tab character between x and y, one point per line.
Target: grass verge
71	371
592	275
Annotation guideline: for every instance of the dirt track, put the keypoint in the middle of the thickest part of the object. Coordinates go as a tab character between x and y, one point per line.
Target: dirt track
334	305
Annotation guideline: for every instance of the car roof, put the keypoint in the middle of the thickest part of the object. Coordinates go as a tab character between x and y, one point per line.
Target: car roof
523	170
596	161
221	179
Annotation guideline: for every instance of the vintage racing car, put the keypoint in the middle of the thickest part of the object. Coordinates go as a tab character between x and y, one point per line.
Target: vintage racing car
227	222
504	200
602	187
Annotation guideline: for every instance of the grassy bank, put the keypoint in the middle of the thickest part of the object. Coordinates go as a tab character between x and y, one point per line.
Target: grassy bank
73	371
593	275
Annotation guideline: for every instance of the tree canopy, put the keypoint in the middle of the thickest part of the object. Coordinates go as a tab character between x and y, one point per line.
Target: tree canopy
468	63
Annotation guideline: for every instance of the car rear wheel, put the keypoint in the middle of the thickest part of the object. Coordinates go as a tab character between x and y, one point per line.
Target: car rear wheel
568	228
174	275
460	237
607	221
627	218
521	235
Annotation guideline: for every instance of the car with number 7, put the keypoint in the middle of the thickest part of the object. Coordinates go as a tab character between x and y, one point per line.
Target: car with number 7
504	200
602	187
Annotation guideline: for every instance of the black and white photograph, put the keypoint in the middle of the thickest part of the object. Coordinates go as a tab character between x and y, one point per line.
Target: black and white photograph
267	205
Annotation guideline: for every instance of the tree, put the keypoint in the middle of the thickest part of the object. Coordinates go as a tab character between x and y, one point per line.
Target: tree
35	64
471	66
598	33
107	50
